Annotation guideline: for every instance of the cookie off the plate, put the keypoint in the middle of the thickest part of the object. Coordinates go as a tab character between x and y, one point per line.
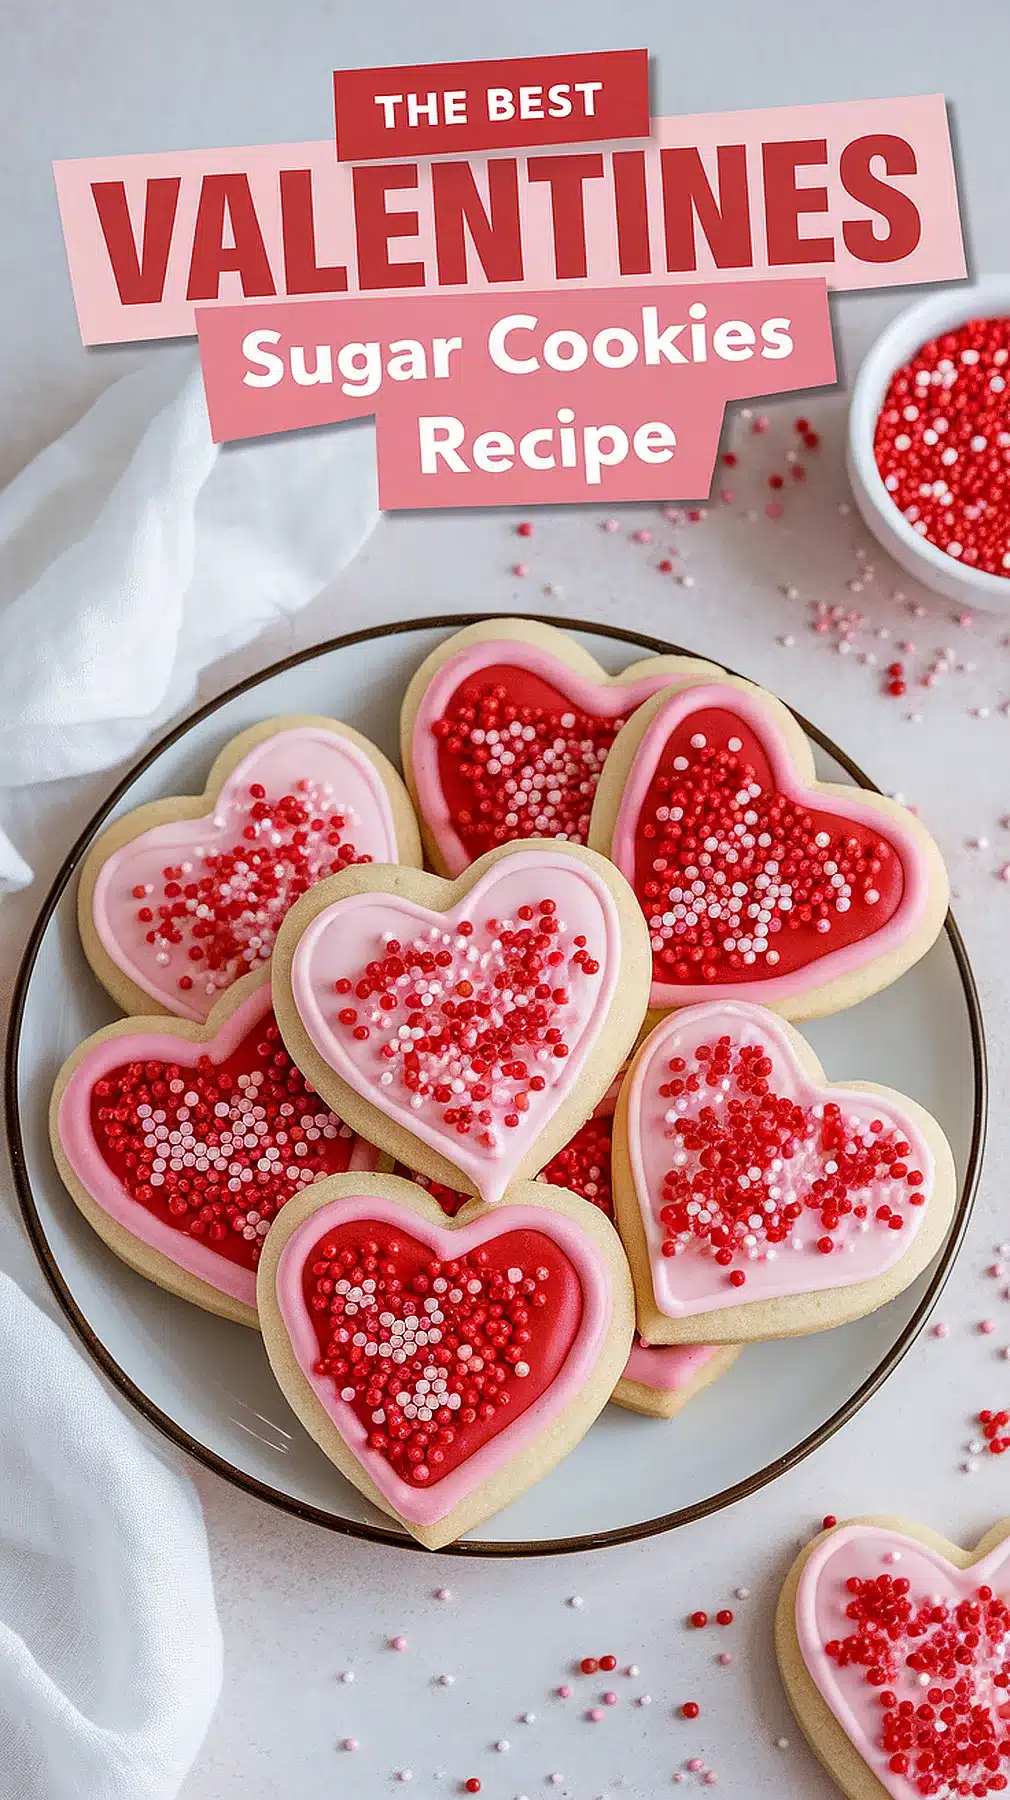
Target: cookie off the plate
758	881
757	1199
183	896
892	1646
467	1028
444	1365
505	729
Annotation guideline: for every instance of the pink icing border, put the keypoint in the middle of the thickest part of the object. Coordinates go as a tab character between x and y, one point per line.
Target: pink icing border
662	1269
73	1125
667	1367
604	699
426	1506
836	962
864	1547
177	834
491	1174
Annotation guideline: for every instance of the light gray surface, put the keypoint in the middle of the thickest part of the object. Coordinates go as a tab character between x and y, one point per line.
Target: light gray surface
297	1605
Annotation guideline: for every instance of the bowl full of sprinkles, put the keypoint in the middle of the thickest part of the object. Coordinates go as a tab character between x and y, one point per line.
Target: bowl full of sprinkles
929	442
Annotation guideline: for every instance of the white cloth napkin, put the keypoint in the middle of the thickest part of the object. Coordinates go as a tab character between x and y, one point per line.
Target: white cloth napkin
132	554
110	1652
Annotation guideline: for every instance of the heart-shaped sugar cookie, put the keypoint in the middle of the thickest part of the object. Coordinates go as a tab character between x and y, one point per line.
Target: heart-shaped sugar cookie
758	881
894	1647
183	896
756	1199
443	1366
180	1143
466	1027
505	730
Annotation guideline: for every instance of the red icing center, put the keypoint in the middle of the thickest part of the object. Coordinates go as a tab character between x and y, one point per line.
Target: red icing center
583	1166
215	1149
952	1737
436	1357
474	1019
746	1163
217	912
739	883
516	759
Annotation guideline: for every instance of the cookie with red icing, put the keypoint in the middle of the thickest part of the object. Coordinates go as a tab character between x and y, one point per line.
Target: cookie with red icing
894	1648
658	1379
755	1198
180	1143
505	730
469	1027
758	881
183	896
444	1365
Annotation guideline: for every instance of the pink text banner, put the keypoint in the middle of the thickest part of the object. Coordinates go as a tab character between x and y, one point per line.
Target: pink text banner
539	398
860	193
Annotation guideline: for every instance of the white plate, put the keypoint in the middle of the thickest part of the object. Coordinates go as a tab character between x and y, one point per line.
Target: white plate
207	1384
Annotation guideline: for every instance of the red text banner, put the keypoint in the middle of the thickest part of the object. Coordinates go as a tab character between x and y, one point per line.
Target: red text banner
445	109
860	193
540	397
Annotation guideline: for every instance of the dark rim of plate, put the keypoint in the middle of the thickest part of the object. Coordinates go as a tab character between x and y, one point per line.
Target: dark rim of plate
380	1534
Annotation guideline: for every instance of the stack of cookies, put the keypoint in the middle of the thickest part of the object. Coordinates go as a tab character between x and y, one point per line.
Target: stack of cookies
482	1145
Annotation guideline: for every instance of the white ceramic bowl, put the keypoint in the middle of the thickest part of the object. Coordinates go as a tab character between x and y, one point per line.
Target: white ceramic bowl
944	311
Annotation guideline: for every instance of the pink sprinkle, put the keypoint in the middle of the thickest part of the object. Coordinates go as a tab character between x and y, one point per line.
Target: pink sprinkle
711	1778
695	1764
443	1594
595	1713
986	1326
996	1270
941	1331
398	1643
349	1744
1005	1353
564	1693
773	510
759	425
679	1776
610	1699
611	525
727	496
1004	873
965	620
642	537
520	568
725	1658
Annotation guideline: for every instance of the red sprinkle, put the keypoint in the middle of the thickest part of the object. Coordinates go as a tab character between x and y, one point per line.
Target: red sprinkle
690	1709
699	1620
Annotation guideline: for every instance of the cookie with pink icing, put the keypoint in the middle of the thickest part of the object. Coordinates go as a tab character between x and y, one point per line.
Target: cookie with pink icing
180	1143
758	881
185	895
505	730
755	1198
894	1648
469	1027
443	1365
658	1379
